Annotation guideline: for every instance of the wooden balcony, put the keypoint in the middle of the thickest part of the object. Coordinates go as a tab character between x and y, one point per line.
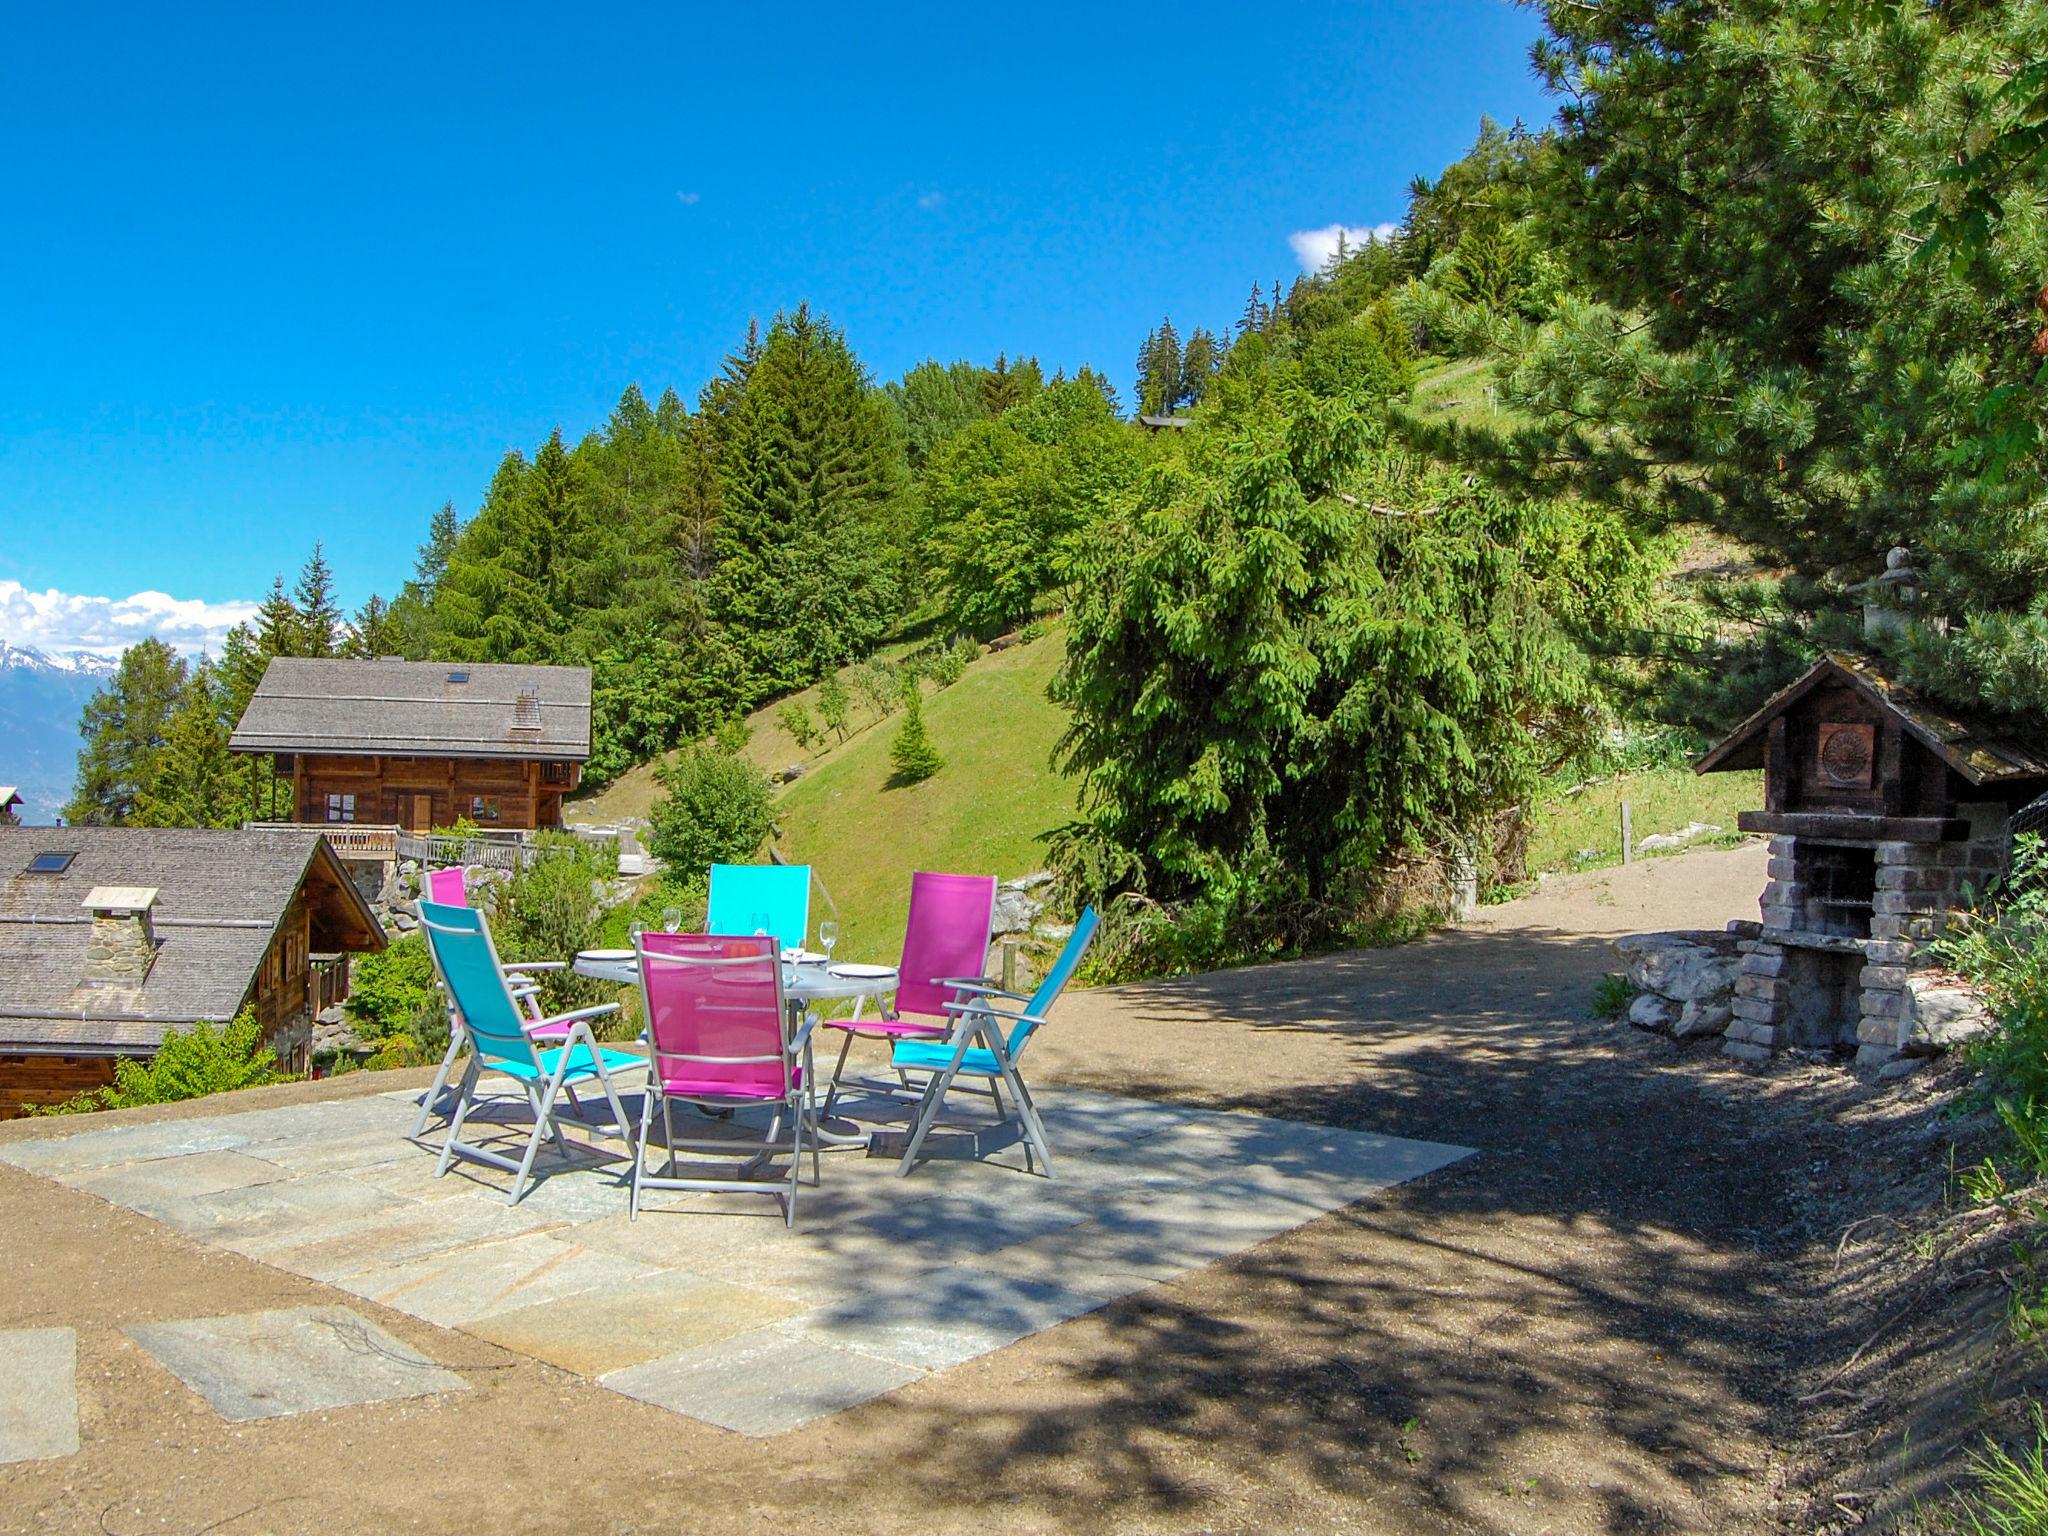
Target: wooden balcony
349	839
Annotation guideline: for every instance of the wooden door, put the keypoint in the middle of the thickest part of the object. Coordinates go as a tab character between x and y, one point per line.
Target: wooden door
420	814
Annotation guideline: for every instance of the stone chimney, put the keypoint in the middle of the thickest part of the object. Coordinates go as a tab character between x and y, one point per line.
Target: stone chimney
122	946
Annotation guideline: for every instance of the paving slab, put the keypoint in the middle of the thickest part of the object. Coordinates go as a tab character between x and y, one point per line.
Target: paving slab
390	1237
275	1215
955	1315
264	1365
463	1284
610	1329
38	1393
762	1383
141	1185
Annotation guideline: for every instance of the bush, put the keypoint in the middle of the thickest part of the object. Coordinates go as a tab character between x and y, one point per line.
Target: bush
554	907
395	1004
832	705
716	810
1612	995
796	720
190	1064
949	664
732	735
912	755
880	684
2001	946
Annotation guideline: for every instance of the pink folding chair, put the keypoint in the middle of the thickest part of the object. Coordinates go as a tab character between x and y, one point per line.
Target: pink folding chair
450	888
945	946
719	1039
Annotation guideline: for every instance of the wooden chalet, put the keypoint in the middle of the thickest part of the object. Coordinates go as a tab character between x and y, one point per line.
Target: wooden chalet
110	937
421	744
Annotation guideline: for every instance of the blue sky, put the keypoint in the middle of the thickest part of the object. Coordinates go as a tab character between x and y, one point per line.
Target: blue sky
274	275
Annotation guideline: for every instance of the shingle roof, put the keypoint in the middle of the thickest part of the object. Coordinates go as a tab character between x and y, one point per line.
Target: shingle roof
221	895
1982	751
416	708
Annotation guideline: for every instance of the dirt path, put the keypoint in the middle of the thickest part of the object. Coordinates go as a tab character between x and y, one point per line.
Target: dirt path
1578	1330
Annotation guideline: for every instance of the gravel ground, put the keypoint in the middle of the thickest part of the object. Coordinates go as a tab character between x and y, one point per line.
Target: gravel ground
1597	1324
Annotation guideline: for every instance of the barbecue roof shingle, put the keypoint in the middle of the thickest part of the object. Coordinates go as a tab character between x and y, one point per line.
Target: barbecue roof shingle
418	708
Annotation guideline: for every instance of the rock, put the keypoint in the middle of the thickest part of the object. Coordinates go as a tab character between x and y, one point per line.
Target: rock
632	863
1649	1011
1657	842
1030	882
1015	910
1685	967
1702	1018
1905	1066
404	921
1939	1016
792	773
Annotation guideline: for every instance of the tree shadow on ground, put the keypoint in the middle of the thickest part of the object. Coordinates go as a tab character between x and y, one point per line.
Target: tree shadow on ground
1578	1329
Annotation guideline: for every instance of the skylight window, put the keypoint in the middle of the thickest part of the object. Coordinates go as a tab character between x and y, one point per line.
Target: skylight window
52	863
458	677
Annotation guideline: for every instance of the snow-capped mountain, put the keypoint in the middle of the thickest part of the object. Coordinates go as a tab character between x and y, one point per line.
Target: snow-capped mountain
41	695
30	658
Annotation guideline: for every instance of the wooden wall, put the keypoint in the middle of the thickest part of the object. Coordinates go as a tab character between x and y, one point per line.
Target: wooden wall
396	790
49	1079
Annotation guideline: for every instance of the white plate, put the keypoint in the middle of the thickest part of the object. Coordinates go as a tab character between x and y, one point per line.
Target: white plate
604	954
801	957
863	972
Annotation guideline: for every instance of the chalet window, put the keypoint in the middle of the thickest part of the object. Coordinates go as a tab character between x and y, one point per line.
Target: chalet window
341	807
483	808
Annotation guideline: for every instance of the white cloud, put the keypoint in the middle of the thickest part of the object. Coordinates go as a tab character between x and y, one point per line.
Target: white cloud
66	621
1313	247
689	199
932	202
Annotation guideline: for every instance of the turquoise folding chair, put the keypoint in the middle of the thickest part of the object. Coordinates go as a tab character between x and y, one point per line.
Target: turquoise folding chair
761	898
500	1043
981	1049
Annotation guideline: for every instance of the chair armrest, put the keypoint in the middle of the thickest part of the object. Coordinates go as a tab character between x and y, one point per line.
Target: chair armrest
983	1010
802	1037
981	986
533	965
595	1012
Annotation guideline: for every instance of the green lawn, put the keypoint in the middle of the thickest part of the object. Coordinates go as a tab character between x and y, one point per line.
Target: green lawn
981	814
1583	830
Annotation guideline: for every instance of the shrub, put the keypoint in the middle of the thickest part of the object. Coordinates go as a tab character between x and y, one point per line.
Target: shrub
880	684
2002	947
948	665
190	1064
912	755
716	810
395	1004
1612	994
554	907
2011	1497
732	735
832	705
796	720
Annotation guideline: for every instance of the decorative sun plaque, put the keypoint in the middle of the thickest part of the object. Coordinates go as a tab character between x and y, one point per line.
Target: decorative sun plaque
1848	755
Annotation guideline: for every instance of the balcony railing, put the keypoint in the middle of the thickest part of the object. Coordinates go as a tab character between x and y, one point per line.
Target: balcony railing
350	839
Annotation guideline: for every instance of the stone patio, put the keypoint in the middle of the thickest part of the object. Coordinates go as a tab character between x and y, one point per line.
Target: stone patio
705	1305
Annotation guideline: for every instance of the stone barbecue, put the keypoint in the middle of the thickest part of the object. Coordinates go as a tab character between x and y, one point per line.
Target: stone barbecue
1883	814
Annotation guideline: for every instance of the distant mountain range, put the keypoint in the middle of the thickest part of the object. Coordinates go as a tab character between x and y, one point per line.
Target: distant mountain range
41	694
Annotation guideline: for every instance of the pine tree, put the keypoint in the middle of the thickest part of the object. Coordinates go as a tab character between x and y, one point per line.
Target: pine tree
1159	371
124	727
912	754
1198	364
317	614
194	782
431	563
371	633
1255	313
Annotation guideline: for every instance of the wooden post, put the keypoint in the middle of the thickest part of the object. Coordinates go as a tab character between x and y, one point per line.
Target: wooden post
1009	965
1628	833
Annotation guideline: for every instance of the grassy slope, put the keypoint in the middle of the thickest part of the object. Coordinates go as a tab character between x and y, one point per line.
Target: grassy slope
981	814
1583	831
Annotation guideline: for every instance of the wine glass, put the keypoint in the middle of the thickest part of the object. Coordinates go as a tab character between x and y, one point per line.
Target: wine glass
671	919
828	938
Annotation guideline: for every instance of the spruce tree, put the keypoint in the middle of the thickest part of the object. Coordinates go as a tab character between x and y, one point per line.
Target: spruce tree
124	726
193	782
1198	364
430	564
912	754
317	614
